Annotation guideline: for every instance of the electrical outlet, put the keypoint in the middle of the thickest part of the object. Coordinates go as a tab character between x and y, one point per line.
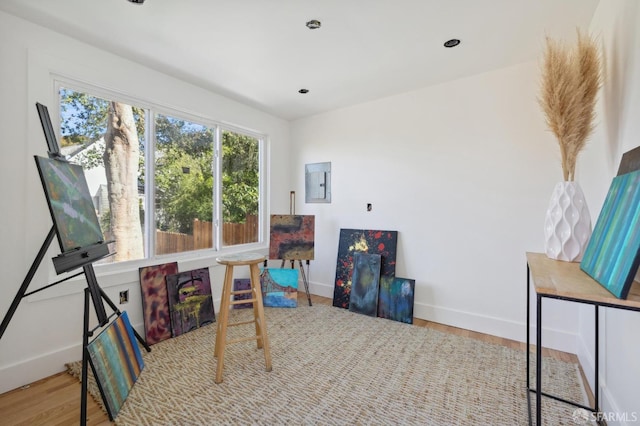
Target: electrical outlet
124	297
369	207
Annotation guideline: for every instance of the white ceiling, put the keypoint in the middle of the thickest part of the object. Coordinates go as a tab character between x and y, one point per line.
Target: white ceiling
261	53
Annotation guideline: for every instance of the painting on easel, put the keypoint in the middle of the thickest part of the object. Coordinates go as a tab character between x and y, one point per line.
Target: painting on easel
292	237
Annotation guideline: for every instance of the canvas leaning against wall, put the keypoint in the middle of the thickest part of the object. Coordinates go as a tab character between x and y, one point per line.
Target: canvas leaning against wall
242	284
396	297
365	284
116	362
155	304
279	287
190	300
351	241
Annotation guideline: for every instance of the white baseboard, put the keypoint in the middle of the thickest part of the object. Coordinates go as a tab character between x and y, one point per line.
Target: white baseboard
514	330
30	370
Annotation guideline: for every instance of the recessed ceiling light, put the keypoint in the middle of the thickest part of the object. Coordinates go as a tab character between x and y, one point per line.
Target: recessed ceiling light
303	91
313	24
452	43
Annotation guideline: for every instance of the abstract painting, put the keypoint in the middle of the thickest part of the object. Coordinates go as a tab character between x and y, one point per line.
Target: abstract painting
612	255
190	301
365	284
383	243
155	305
70	203
292	237
116	362
279	287
242	284
395	299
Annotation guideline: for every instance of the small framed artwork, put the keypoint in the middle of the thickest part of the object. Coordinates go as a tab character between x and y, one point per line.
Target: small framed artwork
612	255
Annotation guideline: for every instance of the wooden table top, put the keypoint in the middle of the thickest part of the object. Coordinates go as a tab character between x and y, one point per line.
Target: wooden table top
241	259
566	279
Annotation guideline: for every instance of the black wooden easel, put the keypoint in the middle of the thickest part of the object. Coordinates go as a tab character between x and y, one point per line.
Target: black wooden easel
92	290
83	257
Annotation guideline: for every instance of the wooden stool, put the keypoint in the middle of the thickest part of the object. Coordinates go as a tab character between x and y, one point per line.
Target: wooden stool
244	259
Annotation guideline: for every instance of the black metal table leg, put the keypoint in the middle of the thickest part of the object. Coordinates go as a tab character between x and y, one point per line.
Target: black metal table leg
539	361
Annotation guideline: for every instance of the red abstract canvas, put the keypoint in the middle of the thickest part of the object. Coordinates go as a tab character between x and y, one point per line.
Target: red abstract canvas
155	305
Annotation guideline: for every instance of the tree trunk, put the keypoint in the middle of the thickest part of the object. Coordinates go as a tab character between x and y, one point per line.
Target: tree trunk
121	156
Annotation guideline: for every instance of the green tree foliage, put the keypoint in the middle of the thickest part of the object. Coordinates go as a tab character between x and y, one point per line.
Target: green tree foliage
240	178
184	176
184	180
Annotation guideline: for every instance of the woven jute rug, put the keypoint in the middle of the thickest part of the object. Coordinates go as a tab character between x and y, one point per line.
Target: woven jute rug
335	367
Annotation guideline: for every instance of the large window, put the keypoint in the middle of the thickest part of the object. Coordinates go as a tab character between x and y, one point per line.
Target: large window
162	183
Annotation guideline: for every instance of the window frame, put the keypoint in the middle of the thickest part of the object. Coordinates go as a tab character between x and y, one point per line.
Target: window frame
151	111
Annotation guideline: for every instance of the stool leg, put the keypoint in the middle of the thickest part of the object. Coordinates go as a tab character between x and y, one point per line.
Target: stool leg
221	335
258	312
256	290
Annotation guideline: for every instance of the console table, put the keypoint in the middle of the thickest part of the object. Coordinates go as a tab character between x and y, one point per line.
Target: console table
560	280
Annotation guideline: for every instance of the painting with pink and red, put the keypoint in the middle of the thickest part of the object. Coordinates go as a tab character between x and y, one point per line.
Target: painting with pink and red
155	305
351	241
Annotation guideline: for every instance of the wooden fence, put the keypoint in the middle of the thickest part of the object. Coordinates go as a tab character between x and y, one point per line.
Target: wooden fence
232	234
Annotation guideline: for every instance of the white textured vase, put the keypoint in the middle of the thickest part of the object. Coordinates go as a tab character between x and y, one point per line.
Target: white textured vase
567	224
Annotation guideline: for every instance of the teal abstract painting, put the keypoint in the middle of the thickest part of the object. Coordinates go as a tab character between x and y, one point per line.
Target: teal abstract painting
395	299
613	253
116	362
279	287
70	203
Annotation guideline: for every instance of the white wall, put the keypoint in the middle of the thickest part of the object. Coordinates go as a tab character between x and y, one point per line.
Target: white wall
617	23
464	171
46	330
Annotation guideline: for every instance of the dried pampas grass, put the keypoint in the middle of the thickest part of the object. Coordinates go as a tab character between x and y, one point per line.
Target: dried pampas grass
571	79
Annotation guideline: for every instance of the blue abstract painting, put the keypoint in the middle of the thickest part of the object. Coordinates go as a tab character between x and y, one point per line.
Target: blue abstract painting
395	301
364	284
116	362
279	287
613	253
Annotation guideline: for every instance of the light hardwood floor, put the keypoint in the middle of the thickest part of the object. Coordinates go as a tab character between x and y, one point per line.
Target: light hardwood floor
55	400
